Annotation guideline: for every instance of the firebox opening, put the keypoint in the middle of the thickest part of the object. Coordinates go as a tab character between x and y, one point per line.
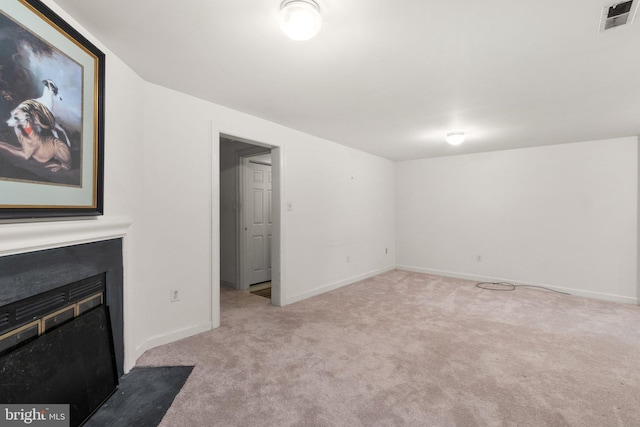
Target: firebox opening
30	318
37	327
57	347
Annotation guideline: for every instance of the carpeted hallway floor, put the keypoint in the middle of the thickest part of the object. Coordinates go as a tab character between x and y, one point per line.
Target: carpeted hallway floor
411	349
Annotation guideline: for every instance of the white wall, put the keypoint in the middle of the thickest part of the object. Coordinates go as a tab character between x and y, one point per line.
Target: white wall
342	217
562	216
176	228
228	211
332	214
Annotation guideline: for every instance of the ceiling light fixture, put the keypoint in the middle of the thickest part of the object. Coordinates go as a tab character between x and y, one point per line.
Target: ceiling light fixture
300	19
455	138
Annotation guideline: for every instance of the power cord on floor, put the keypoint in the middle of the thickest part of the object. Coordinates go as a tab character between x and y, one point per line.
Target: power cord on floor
506	286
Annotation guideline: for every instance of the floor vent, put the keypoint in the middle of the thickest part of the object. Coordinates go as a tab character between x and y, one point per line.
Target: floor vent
617	14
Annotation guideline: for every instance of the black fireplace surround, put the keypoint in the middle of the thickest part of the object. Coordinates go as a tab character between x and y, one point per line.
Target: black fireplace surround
29	274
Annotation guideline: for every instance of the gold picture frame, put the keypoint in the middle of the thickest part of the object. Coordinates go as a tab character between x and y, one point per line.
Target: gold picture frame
51	115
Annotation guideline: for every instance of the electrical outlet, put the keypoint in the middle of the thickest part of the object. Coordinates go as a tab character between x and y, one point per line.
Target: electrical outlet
175	295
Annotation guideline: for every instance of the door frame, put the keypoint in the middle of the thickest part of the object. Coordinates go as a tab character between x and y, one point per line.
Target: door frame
241	219
278	285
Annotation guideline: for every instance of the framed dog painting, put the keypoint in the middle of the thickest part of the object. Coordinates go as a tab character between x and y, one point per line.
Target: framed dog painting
51	115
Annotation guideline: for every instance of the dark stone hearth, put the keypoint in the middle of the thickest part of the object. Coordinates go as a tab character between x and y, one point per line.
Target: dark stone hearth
143	397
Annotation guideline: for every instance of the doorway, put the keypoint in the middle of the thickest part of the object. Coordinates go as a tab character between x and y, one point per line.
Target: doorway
249	215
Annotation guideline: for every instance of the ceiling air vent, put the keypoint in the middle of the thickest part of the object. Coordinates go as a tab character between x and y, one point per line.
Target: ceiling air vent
617	14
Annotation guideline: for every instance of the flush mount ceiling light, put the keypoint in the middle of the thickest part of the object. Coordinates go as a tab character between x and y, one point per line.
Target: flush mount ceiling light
300	19
455	138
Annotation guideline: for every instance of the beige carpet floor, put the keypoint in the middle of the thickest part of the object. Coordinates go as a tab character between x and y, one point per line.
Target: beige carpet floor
408	349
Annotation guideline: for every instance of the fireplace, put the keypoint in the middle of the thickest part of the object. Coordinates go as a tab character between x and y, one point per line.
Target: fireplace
62	298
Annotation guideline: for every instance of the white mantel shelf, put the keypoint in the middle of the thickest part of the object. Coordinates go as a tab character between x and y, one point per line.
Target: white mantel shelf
24	237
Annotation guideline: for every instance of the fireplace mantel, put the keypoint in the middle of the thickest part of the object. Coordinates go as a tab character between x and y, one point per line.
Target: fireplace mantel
24	237
18	239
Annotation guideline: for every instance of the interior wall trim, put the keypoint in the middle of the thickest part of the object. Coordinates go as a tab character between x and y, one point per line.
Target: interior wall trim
172	336
25	237
336	285
577	292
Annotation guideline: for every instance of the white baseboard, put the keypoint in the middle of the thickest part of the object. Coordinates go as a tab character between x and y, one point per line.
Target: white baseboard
170	337
197	329
336	285
577	292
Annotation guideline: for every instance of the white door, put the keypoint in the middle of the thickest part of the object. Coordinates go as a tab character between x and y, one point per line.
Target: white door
258	221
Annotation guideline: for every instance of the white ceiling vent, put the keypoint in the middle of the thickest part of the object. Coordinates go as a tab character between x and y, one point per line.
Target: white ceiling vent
618	14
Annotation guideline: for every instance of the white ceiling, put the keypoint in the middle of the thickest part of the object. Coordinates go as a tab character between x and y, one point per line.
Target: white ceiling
392	77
